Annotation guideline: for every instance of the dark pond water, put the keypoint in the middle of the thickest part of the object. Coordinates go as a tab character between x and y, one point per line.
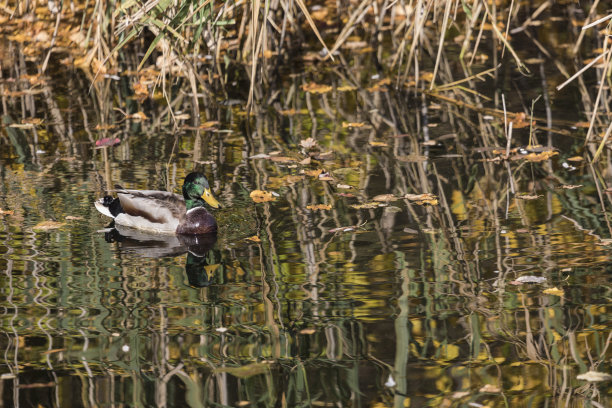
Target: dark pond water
365	301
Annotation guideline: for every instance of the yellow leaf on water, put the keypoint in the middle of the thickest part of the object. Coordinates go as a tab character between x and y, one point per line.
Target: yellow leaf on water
313	173
48	225
260	196
288	112
316	88
352	124
554	291
318	207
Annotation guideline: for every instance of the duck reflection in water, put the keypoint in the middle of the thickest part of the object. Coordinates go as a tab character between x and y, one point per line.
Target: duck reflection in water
200	250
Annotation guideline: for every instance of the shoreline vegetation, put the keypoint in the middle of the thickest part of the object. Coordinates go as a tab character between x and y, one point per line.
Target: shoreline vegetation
437	47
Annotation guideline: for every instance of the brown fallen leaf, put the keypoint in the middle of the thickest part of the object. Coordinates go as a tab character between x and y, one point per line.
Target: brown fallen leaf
73	218
571	186
420	199
366	205
538	157
529	196
385	198
308	144
575	159
318	207
48	225
282	159
6	212
346	88
260	196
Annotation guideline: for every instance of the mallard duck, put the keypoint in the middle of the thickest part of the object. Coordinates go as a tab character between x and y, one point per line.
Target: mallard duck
163	212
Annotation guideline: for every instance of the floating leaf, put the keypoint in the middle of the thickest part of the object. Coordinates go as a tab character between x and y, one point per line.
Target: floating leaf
490	388
209	125
353	124
288	112
48	225
594	376
308	143
373	204
254	238
137	116
313	173
528	279
318	207
260	196
538	157
260	156
528	196
316	88
385	198
554	291
426	198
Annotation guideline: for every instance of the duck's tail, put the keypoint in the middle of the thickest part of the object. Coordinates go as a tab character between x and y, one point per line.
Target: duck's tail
109	206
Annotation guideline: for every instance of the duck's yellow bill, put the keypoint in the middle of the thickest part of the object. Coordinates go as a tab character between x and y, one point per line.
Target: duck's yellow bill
208	197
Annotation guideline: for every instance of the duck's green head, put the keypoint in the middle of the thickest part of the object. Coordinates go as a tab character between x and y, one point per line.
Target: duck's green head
196	186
